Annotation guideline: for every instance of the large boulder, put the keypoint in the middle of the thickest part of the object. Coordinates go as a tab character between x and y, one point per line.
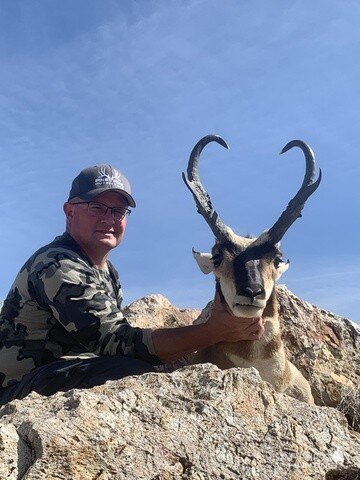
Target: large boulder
324	346
155	311
196	423
199	422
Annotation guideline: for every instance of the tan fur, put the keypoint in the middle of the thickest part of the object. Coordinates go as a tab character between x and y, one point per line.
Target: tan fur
267	355
273	346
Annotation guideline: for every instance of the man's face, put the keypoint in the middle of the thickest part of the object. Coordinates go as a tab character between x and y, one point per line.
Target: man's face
96	233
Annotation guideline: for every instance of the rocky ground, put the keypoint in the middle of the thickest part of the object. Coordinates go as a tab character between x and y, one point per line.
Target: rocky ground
199	422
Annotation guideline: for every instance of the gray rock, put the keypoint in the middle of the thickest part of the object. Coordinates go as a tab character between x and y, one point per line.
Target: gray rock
324	346
196	423
199	422
155	311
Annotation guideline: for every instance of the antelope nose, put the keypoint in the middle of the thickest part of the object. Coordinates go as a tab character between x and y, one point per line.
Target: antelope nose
253	291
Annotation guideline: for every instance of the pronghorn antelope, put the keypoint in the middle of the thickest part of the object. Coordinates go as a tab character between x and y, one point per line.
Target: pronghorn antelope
246	270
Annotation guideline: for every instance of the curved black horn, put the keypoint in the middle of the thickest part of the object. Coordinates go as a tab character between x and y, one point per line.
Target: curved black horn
296	204
201	197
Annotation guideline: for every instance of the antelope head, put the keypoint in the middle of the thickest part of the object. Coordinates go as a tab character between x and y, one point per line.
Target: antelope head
246	269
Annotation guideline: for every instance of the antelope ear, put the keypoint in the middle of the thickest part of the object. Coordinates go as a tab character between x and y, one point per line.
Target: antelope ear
282	268
204	260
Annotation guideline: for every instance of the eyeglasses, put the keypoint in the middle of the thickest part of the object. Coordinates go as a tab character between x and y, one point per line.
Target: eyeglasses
100	210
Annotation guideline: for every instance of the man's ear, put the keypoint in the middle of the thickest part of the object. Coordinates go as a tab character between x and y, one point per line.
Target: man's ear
67	207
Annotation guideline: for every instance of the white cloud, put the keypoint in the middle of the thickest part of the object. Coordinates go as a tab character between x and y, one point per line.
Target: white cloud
139	85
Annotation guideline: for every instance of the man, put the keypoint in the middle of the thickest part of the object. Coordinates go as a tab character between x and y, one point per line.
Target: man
61	325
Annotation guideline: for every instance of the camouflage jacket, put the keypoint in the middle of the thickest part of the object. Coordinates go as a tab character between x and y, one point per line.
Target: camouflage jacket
59	306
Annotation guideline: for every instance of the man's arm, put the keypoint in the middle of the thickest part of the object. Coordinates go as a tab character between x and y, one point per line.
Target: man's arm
80	302
173	343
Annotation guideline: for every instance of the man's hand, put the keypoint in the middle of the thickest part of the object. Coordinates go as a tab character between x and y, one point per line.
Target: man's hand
172	343
223	326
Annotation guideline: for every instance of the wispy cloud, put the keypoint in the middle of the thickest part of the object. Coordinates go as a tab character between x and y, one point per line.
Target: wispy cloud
137	83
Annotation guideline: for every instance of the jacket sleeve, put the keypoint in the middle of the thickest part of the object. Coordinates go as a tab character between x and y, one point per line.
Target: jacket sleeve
79	300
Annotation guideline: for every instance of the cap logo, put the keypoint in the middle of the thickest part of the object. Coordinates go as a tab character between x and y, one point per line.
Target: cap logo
109	180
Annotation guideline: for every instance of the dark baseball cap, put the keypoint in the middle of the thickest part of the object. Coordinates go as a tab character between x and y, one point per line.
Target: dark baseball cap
98	179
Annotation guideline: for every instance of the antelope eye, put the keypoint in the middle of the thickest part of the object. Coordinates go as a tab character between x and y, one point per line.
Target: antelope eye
216	259
278	261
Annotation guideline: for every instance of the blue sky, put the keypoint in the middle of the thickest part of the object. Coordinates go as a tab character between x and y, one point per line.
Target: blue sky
137	83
